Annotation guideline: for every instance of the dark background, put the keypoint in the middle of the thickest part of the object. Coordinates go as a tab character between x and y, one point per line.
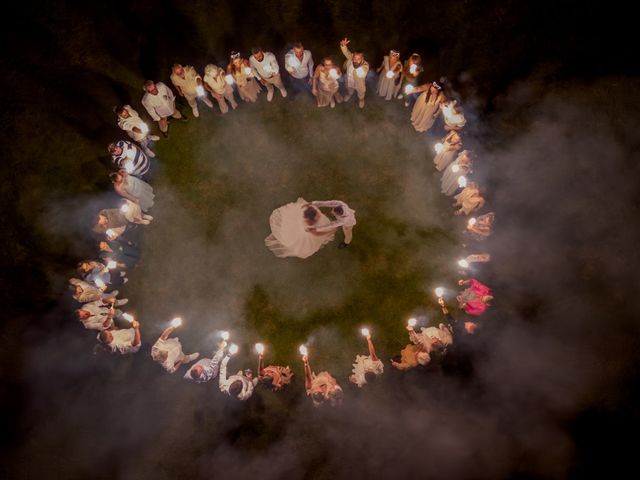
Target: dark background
552	390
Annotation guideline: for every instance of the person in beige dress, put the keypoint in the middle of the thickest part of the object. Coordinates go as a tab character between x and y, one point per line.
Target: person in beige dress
427	106
446	152
326	88
469	200
389	75
244	76
356	69
189	85
218	84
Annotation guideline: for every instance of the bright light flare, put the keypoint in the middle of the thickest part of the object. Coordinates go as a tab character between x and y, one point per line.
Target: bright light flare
333	73
247	71
438	147
455	168
412	322
225	335
176	322
233	349
360	72
111	264
390	74
259	348
413	68
462	181
303	350
110	233
365	332
472	221
200	90
144	128
439	292
128	317
124	208
99	283
229	79
463	263
409	89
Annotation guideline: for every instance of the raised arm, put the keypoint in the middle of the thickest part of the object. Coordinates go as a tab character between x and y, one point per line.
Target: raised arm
166	333
260	365
308	376
345	49
372	350
136	336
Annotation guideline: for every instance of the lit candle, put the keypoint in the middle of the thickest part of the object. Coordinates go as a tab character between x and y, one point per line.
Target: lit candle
247	71
233	349
111	264
127	317
413	68
409	89
229	79
412	322
110	233
99	283
438	147
439	292
462	181
144	128
365	332
200	90
472	221
124	208
225	335
463	263
303	350
333	73
390	74
176	322
259	348
455	168
360	72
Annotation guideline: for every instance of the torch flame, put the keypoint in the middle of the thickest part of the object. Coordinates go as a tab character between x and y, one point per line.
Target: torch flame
233	349
438	147
176	322
439	292
303	350
365	332
259	348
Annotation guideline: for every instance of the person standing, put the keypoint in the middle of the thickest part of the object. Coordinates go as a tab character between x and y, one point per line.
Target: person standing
344	216
124	341
325	87
134	189
189	85
219	86
460	167
168	352
469	200
244	76
355	70
273	376
427	106
239	385
160	103
207	368
367	367
129	157
129	120
322	388
390	73
96	315
298	62
410	73
447	149
268	71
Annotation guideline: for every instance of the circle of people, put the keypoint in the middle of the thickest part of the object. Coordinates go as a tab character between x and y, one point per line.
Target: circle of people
118	229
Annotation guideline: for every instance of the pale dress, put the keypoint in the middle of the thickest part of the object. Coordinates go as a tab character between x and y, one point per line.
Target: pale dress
327	89
173	347
248	87
364	364
446	156
139	189
389	87
453	172
289	237
425	111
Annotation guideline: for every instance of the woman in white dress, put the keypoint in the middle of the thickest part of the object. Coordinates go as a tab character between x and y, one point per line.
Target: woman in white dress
427	107
446	150
134	189
242	74
469	200
389	75
460	167
453	116
290	235
325	84
215	81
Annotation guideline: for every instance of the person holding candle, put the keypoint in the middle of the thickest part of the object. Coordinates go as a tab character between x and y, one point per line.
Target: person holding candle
90	270
389	75
129	157
345	218
469	199
355	70
367	367
450	145
124	341
207	368
240	385
129	120
267	70
410	73
111	222
133	189
244	77
189	85
218	84
326	88
168	351
453	116
481	227
427	106
272	376
84	292
476	298
414	354
124	252
98	315
160	103
298	62
133	213
461	166
323	387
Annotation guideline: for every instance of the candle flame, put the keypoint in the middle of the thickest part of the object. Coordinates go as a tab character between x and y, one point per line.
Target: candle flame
333	73
439	292
259	348
176	322
128	317
229	79
233	349
200	90
247	70
111	265
365	332
472	221
463	263
99	283
390	74
409	89
438	147
303	350
225	335
462	181
412	322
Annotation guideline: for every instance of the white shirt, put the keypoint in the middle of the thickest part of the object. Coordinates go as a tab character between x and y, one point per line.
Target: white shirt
173	347
134	120
225	383
441	333
364	364
451	118
267	68
123	341
347	219
160	105
299	68
99	313
189	83
210	367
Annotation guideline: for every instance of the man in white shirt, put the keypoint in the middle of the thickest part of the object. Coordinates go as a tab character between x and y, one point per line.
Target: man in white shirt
239	385
344	217
299	64
160	103
96	315
126	340
189	85
207	368
355	72
168	352
130	122
267	71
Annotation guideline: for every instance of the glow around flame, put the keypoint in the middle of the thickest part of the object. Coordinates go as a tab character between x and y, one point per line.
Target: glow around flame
412	322
439	292
247	70
200	90
365	332
259	348
390	74
176	322
225	335
472	222
462	181
409	89
333	73
438	147
128	317
99	283
463	263
229	79
233	349
413	68
124	208
360	72
111	264
455	168
303	350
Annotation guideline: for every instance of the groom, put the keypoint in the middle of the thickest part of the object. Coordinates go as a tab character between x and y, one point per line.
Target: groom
344	217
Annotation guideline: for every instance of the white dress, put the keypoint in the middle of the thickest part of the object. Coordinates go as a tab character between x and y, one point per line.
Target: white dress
172	347
289	237
425	110
139	189
364	364
389	87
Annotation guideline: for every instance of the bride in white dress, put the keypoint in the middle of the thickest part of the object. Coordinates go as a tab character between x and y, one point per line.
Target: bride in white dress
290	236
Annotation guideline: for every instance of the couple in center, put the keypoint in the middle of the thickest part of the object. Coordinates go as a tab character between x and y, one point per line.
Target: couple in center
300	229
